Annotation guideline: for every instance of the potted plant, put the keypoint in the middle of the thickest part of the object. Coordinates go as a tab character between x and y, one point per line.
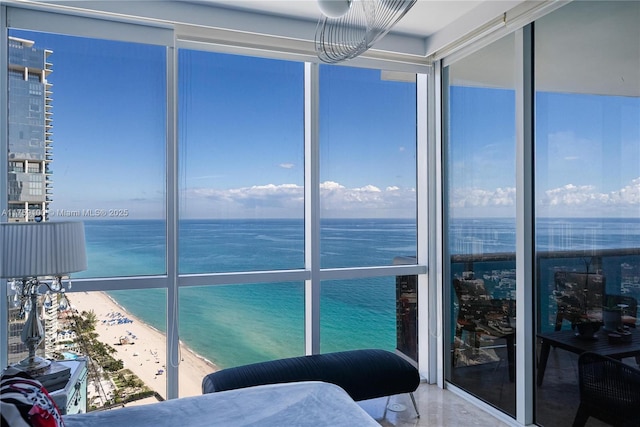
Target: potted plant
579	300
585	321
588	327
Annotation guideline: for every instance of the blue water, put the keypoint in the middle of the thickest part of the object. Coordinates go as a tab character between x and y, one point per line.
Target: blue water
233	325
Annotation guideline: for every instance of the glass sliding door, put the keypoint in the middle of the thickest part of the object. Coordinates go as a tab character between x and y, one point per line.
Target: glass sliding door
587	180
480	224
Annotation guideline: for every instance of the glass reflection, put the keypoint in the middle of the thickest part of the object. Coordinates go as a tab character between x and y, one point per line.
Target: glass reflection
587	146
480	221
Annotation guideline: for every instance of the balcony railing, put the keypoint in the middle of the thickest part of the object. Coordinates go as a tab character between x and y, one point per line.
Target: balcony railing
619	267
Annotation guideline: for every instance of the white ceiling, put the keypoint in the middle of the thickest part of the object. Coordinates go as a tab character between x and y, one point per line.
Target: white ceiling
602	64
427	27
425	18
584	47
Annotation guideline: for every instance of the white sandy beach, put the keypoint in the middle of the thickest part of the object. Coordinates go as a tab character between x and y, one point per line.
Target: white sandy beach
147	354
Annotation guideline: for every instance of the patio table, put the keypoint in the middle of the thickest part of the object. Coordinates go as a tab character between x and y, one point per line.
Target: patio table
568	340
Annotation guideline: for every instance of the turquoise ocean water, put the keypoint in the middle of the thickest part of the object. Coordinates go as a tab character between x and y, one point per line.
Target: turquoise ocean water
238	324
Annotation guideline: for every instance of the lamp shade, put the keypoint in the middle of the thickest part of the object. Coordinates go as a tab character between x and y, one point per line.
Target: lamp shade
31	249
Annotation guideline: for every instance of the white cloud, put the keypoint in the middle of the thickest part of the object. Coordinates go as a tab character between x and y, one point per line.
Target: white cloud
476	197
568	195
368	189
567	201
286	165
367	201
287	200
330	185
587	196
339	201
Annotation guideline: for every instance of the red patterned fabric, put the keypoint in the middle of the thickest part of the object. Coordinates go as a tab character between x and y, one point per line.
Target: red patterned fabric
25	402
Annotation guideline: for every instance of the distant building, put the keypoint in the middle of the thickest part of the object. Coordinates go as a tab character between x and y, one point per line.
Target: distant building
29	156
30	124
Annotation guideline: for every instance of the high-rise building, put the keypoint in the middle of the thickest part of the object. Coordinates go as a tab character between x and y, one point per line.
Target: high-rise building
30	124
29	175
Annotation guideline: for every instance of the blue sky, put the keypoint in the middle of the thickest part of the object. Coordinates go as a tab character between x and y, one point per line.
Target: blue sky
108	124
587	154
241	140
249	161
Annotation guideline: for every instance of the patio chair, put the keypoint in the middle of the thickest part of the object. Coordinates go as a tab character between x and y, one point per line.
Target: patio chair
482	316
609	391
578	294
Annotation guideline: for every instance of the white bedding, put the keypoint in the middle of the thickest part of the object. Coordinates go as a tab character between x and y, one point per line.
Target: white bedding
313	404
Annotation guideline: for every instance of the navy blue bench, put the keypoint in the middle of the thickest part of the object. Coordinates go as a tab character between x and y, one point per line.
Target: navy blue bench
363	374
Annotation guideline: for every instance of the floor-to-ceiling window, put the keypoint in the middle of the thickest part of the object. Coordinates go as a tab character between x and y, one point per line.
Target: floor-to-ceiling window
367	166
197	227
241	155
104	156
367	199
241	136
480	224
587	181
87	130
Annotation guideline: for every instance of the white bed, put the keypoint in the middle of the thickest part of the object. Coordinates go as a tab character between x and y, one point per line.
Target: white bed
313	404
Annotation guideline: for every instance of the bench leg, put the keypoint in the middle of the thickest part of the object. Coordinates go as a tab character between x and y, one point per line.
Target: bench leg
386	405
413	399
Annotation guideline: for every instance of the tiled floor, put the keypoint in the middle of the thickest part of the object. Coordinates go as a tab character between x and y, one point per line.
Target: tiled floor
557	399
437	407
